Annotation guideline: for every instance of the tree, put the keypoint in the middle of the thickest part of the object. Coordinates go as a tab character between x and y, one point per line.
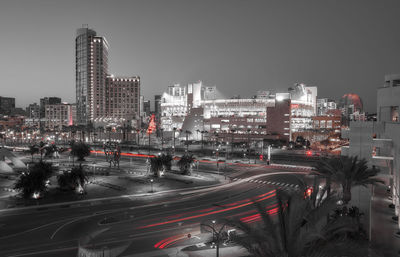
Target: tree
166	160
50	150
33	149
34	180
297	229
80	150
72	179
185	164
156	165
41	149
346	172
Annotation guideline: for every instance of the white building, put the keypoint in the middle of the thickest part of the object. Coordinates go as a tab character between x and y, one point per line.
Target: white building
324	105
379	141
246	114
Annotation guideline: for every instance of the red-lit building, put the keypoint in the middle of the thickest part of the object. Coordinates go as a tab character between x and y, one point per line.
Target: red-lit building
11	122
331	121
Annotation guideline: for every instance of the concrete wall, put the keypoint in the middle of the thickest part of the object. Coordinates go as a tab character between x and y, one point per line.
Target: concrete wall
392	130
387	97
360	137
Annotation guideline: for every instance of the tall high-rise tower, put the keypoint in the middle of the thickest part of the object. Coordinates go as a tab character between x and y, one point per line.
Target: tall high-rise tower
91	62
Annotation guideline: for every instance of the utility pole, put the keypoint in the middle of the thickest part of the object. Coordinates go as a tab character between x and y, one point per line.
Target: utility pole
149	142
162	140
174	130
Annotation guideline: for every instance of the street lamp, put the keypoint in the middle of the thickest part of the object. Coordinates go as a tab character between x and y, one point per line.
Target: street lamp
188	132
151	182
162	139
174	129
217	234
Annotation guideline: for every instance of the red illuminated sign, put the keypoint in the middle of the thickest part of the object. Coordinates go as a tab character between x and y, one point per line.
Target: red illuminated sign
294	106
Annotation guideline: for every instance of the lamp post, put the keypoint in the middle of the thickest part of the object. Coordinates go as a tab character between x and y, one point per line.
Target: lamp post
174	129
138	137
188	132
151	183
217	234
149	140
232	131
162	139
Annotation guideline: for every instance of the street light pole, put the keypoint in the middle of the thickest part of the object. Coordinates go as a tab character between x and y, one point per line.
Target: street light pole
216	234
149	142
174	130
162	139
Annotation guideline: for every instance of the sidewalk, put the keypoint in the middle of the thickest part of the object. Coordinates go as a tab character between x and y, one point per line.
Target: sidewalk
384	241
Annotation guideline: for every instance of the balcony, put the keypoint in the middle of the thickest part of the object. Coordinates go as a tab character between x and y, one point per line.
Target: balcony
383	143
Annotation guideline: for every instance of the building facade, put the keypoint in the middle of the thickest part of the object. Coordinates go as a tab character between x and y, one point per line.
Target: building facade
122	98
146	107
194	108
379	141
46	101
100	97
59	116
33	111
91	62
324	105
7	104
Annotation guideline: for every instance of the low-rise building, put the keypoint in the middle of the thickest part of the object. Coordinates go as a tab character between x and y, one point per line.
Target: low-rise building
59	115
195	108
7	104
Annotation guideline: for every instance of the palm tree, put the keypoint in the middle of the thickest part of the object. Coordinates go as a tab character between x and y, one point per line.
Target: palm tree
70	180
166	160
187	132
34	180
156	165
185	164
80	150
174	131
346	172
297	229
33	149
41	149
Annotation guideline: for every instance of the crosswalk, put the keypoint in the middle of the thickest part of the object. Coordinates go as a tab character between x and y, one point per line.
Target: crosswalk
267	182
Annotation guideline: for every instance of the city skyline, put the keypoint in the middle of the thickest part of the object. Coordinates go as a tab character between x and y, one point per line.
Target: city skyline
337	47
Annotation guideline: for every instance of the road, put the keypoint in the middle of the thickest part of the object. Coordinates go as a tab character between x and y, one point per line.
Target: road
139	226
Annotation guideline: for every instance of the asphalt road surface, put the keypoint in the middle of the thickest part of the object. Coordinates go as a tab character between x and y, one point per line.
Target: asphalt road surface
153	225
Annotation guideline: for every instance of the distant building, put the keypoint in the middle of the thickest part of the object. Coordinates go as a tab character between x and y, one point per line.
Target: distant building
46	101
324	105
186	108
351	107
331	120
59	115
303	107
33	111
91	62
102	98
122	98
18	111
157	106
6	105
11	122
146	107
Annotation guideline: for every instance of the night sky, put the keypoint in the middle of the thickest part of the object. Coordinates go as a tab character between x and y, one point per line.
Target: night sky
239	46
